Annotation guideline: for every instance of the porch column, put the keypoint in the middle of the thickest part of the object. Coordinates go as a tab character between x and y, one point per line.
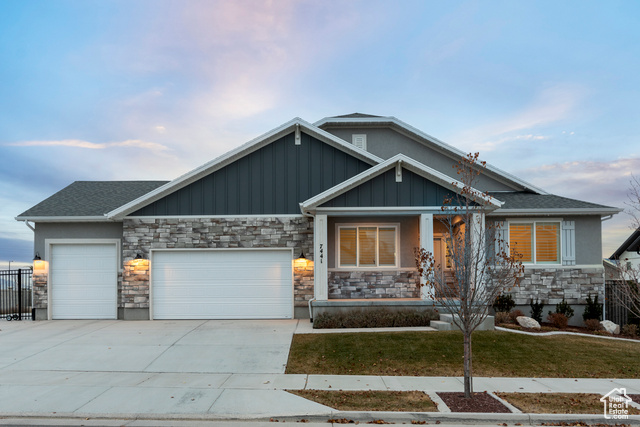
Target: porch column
426	242
478	238
320	279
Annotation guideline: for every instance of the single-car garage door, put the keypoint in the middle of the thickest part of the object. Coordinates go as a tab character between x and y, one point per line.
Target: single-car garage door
83	281
222	284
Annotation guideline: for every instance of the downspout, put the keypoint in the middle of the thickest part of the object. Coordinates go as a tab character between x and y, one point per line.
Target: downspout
606	218
26	222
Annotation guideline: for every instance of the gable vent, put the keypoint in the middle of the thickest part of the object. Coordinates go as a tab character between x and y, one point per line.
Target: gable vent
359	140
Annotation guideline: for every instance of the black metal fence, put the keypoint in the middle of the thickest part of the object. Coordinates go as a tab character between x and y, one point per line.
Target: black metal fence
16	294
616	300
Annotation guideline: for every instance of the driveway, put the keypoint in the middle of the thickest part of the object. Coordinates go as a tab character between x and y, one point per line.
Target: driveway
181	346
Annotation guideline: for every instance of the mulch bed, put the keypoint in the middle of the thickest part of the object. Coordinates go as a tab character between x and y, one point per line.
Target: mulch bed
635	397
481	402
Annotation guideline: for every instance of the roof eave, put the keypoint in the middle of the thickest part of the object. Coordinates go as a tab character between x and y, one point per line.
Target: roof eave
556	211
37	219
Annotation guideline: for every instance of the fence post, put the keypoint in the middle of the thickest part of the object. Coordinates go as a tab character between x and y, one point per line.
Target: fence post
19	294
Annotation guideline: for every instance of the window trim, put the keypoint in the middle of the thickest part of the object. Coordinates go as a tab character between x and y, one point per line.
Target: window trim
356	225
533	222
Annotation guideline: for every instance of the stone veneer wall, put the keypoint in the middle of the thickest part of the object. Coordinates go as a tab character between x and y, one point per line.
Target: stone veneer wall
142	235
374	284
551	285
39	283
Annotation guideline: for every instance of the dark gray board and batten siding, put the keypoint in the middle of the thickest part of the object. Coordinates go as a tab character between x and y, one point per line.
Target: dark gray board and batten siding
271	180
384	191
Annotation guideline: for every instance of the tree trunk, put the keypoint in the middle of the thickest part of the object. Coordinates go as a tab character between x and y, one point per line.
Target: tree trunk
468	371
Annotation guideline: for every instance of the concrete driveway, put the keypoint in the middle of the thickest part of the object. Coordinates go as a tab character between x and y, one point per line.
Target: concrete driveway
212	368
204	346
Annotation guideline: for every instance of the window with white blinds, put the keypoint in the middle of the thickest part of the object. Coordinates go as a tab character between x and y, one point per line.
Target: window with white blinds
535	242
367	246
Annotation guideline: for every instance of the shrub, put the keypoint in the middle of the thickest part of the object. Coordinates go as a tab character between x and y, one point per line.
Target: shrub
563	307
504	303
502	317
558	320
379	318
630	330
536	310
593	324
593	309
514	315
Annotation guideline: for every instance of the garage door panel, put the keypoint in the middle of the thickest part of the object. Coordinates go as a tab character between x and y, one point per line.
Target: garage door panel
83	281
222	284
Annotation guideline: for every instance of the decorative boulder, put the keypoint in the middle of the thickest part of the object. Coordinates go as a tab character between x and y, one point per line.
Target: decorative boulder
527	322
610	327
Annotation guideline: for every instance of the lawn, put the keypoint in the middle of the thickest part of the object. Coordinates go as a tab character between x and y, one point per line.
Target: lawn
497	354
405	401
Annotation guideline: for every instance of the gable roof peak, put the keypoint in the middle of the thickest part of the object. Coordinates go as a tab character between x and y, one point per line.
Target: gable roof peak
356	116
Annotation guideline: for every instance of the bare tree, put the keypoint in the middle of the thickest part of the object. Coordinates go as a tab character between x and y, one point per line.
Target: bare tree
634	201
626	277
479	265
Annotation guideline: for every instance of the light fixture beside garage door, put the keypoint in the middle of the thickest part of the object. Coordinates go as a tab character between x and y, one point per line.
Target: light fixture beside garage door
301	261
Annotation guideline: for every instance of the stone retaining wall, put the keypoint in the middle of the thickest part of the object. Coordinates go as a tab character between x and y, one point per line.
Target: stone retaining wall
142	235
550	285
373	284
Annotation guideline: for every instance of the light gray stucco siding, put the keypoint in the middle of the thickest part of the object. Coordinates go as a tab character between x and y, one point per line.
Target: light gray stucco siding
588	239
386	143
76	230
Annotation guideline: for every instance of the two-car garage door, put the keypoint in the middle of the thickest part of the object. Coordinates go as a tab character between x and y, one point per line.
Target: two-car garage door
221	284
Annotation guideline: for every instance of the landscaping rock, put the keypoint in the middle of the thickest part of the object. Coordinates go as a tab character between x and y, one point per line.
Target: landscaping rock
528	322
610	327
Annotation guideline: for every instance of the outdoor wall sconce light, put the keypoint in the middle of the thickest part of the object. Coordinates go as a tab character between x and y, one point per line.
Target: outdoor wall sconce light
301	261
138	256
38	264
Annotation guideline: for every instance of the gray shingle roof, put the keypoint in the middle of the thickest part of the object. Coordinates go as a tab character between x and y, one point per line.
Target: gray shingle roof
355	116
533	201
632	244
90	198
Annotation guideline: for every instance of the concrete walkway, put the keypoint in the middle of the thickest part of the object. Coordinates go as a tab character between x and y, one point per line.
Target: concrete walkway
205	370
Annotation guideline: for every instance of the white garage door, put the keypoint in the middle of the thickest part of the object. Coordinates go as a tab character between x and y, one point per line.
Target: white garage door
83	281
222	284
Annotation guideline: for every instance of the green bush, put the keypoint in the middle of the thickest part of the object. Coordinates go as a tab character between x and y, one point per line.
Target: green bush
564	308
593	309
378	318
504	303
536	310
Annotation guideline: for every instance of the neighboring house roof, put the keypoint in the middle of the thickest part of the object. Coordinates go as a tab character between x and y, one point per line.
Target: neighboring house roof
446	149
397	162
632	244
228	158
527	203
88	200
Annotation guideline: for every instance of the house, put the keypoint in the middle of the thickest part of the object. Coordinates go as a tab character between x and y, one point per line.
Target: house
628	254
305	217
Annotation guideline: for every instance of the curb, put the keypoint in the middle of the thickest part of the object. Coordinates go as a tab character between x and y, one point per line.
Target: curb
355	416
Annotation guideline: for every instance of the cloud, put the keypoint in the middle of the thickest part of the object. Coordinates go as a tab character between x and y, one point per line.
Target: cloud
77	143
551	105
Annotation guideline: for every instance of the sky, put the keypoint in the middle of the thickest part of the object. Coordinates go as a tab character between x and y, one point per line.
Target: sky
127	90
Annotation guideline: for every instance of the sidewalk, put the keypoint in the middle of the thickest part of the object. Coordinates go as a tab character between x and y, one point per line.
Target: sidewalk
247	396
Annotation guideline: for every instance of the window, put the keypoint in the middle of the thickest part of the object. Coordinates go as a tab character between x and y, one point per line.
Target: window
367	246
536	242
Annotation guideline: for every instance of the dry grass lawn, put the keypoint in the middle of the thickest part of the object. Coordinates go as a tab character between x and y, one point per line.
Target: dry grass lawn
402	401
558	403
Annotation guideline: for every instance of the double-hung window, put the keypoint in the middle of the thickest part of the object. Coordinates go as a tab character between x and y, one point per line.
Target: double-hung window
536	242
367	246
